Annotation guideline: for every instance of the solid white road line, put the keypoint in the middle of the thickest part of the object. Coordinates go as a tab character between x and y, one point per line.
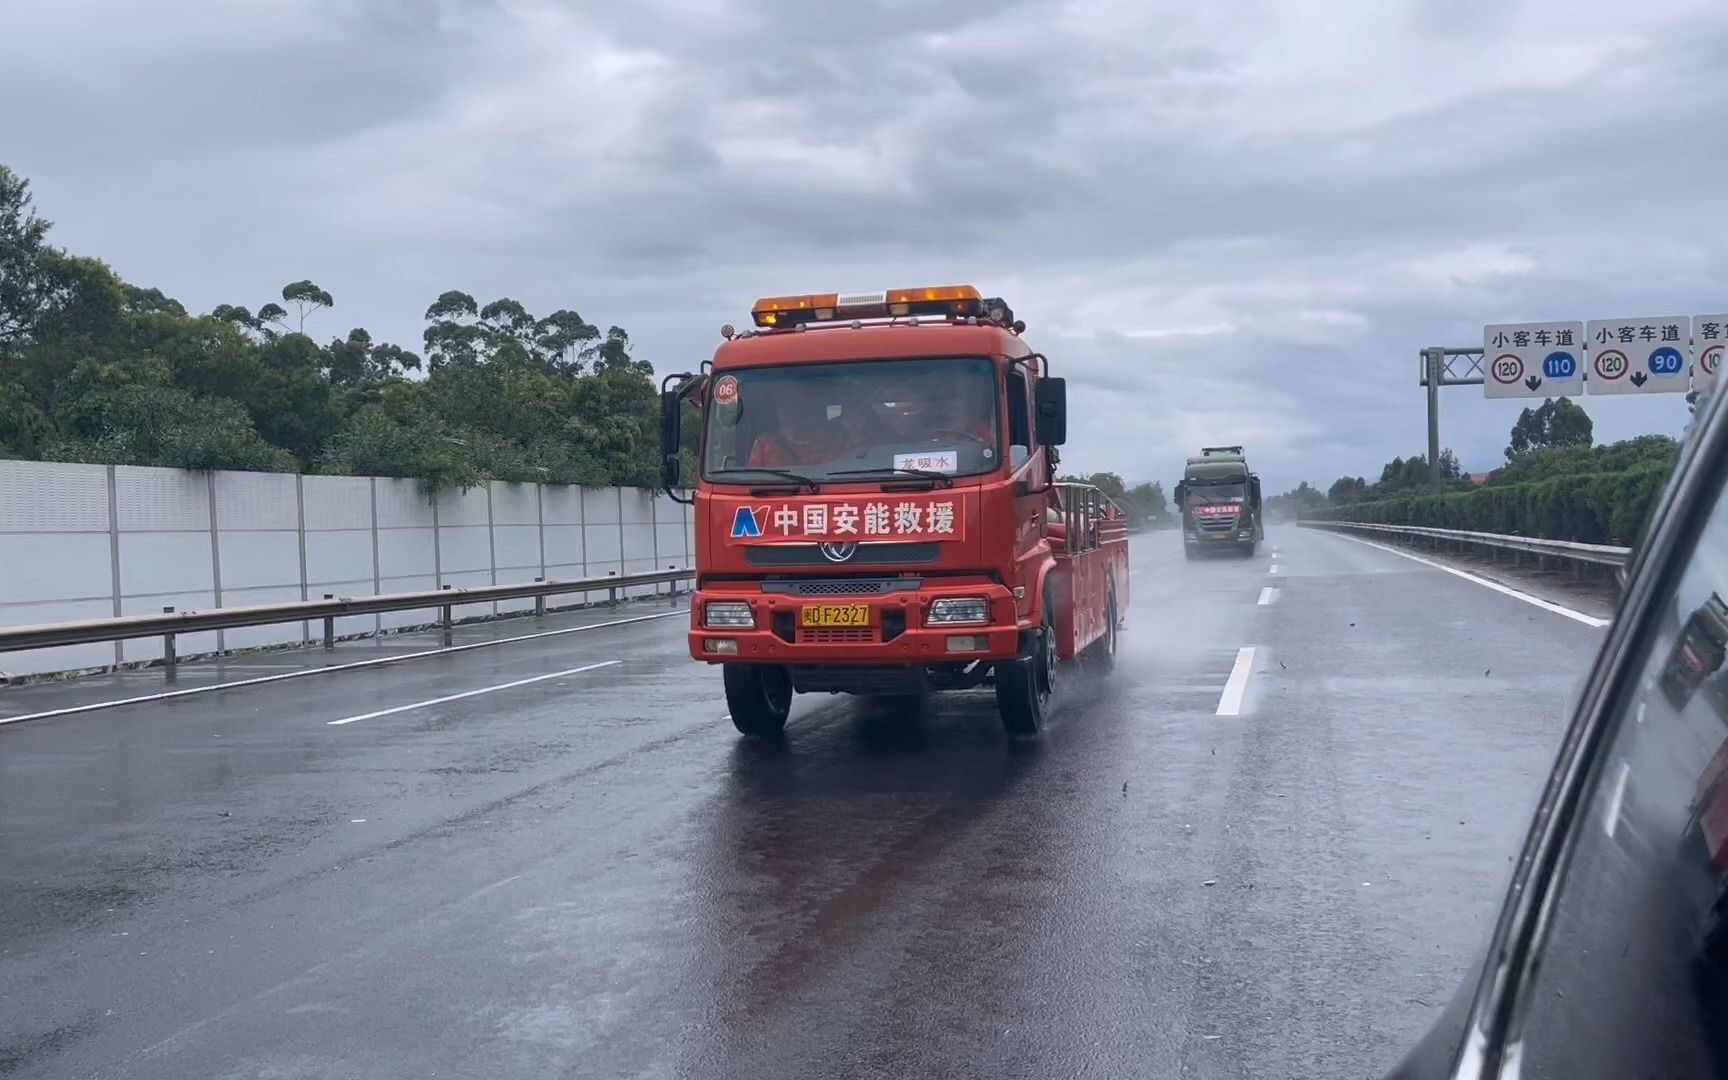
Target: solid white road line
169	695
1545	605
470	693
1267	594
1237	686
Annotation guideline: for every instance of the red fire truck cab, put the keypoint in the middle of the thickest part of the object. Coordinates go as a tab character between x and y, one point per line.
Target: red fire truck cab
877	512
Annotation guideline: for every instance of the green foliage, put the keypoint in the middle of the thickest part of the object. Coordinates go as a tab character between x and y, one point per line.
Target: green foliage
1146	503
1107	482
1654	451
1398	476
1297	502
306	298
1346	490
93	368
22	244
1557	422
1554	485
1143	503
144	424
1591	508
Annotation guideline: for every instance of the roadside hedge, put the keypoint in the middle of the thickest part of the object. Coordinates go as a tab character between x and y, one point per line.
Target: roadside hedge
1589	508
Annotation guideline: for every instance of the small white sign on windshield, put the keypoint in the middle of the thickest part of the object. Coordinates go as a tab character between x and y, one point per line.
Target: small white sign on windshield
944	461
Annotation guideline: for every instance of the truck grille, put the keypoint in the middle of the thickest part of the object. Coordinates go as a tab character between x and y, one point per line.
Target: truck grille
842	586
1219	524
836	588
849	635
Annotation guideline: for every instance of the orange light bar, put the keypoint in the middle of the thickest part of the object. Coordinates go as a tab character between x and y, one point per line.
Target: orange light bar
770	310
937	294
952	301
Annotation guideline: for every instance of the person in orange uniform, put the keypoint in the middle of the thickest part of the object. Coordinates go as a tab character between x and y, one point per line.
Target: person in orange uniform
940	405
805	436
963	413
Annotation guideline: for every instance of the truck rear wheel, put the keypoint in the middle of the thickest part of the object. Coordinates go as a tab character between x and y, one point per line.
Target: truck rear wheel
1024	687
759	696
1101	654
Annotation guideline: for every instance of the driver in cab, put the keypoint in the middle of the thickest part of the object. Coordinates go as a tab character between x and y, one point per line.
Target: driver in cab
941	406
804	434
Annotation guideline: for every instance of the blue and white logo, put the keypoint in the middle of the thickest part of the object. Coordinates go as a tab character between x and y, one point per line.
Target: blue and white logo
745	525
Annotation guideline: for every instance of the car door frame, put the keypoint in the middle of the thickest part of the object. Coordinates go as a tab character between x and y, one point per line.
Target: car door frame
1492	1031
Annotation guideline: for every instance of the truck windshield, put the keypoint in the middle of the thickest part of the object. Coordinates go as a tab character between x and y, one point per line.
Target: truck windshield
1226	491
825	420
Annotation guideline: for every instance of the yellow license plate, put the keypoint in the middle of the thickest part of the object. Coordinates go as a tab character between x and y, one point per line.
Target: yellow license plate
836	615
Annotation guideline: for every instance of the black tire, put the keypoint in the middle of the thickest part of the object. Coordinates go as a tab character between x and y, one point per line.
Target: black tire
1101	654
1189	553
759	696
1024	687
1248	549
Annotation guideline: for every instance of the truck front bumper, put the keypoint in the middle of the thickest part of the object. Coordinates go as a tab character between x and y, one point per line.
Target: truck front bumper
898	633
1214	539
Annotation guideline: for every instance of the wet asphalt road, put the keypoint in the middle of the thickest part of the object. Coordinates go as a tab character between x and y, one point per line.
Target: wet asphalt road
591	875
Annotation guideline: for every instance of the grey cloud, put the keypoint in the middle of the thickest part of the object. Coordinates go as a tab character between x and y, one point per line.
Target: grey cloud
1218	218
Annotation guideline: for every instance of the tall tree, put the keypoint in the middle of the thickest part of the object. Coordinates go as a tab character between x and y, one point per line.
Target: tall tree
1556	423
23	238
1346	490
452	336
562	337
306	298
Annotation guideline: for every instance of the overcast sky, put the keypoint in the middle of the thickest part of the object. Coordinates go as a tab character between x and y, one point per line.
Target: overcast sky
1227	221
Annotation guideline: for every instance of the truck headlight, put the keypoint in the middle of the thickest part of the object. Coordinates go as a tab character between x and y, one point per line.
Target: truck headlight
728	615
958	611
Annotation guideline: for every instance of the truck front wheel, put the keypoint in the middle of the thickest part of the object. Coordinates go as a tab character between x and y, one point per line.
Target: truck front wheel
1025	686
760	697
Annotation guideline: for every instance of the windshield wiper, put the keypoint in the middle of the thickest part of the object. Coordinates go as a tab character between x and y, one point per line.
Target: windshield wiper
923	474
797	478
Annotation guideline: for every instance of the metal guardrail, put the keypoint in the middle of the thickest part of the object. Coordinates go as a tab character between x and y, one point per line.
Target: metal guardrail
171	623
1561	550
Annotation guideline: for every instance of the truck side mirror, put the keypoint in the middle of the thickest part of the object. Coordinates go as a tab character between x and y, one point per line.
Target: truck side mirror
1051	402
671	436
672	425
1180	495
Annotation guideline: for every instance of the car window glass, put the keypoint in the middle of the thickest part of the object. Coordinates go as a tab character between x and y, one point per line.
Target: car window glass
1019	419
1630	976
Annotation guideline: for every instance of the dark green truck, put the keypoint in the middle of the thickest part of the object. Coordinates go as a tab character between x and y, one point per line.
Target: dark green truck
1220	502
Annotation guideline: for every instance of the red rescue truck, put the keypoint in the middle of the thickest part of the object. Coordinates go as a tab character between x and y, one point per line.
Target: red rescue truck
877	512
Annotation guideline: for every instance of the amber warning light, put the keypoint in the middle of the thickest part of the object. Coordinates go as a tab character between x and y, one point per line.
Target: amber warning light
782	311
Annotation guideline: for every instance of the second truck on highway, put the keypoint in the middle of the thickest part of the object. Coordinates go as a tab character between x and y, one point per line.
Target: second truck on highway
1219	498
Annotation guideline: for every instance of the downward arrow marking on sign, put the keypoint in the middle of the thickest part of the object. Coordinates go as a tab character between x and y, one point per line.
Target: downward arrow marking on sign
1533	381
